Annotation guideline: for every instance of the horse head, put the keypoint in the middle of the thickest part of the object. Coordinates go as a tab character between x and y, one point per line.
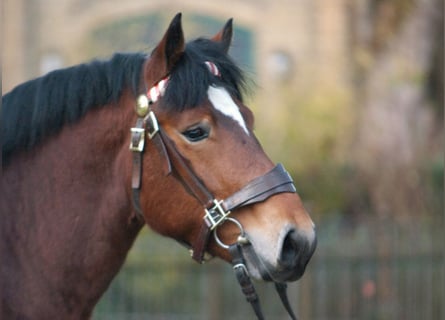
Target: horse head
205	140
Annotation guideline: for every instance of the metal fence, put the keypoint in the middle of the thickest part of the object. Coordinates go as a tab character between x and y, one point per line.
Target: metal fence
352	283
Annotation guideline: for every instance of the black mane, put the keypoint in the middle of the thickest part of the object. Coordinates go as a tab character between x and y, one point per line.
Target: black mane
190	77
41	107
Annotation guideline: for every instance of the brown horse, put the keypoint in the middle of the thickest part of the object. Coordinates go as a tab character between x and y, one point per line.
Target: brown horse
73	197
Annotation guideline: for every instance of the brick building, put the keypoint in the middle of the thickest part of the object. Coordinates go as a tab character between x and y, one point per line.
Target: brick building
278	39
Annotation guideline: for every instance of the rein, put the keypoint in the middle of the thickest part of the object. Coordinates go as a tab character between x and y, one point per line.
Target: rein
216	211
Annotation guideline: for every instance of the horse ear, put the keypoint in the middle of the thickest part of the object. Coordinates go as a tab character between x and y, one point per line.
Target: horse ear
166	53
225	35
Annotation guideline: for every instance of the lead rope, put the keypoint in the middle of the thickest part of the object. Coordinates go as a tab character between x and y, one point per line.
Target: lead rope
247	287
244	280
282	293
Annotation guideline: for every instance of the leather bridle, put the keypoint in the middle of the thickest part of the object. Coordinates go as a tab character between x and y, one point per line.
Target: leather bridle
216	211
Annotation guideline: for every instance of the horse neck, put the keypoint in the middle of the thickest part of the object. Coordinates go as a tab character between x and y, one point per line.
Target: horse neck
67	216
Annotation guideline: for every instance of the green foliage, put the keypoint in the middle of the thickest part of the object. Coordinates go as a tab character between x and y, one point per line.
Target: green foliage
311	134
324	189
309	127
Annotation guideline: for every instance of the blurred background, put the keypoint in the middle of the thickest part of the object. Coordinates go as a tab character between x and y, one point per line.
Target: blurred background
348	94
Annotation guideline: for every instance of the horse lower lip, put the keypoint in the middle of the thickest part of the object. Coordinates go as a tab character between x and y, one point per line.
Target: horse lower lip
287	275
269	273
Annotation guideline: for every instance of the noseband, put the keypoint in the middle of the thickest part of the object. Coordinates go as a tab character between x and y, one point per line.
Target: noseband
216	211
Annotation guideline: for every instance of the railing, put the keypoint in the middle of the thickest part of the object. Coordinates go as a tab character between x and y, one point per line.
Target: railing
359	284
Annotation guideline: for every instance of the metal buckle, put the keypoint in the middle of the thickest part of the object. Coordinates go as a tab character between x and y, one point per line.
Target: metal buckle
241	266
139	146
153	126
216	214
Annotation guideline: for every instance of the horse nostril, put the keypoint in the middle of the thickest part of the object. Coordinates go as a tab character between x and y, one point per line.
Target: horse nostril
297	249
290	249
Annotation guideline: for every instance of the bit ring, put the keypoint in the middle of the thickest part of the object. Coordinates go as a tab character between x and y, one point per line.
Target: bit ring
242	239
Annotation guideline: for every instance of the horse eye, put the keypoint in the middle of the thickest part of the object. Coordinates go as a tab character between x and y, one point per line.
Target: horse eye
197	133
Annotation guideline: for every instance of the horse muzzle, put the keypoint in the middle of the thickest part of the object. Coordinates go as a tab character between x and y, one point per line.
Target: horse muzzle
293	252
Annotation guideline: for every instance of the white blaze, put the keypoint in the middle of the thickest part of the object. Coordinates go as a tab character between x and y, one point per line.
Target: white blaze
224	103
